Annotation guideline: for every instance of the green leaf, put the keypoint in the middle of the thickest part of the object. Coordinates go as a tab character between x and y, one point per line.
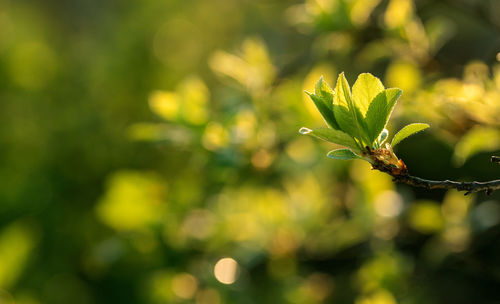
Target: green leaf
379	112
334	136
343	154
325	108
407	131
346	114
323	90
364	90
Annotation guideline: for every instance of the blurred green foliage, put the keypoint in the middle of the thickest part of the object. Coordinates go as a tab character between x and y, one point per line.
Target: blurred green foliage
150	153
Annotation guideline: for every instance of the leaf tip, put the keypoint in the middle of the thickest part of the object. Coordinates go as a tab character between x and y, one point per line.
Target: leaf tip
304	130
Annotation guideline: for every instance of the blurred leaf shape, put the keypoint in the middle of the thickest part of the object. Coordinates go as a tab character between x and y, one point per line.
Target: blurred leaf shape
479	139
189	103
133	201
17	242
361	11
439	30
458	105
398	13
253	68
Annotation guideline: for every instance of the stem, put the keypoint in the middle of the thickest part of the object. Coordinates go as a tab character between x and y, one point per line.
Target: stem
469	187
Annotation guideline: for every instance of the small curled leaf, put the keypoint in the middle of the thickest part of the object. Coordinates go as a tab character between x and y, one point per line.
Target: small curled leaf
383	136
407	131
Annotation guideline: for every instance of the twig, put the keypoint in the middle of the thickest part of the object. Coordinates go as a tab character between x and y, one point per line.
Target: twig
469	187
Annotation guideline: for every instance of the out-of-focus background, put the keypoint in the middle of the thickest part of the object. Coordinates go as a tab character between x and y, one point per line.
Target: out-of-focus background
150	153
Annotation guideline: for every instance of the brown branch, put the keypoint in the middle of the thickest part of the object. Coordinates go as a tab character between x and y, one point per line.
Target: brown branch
469	187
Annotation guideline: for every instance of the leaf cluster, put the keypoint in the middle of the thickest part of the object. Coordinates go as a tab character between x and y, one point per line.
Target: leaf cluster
357	118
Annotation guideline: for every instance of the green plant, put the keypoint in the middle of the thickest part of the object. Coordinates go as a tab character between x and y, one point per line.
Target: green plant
357	120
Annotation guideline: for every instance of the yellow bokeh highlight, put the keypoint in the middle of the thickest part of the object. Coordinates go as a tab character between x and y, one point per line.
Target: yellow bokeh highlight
302	150
226	270
133	200
457	238
425	217
245	126
195	98
403	75
262	159
16	245
398	13
388	204
184	285
215	136
373	182
199	224
380	296
456	206
165	104
189	102
361	10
